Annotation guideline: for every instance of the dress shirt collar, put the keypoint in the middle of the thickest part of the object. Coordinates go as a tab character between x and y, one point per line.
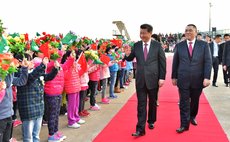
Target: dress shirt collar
193	42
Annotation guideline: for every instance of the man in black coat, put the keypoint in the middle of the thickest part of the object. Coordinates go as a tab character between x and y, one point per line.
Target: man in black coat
215	52
150	75
226	58
221	49
191	72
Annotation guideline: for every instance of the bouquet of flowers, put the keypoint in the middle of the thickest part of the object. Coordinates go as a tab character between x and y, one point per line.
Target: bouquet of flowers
49	51
93	55
8	65
103	47
49	45
17	43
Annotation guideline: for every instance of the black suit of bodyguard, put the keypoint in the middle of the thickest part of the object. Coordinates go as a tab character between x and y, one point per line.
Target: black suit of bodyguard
226	58
190	73
216	56
150	75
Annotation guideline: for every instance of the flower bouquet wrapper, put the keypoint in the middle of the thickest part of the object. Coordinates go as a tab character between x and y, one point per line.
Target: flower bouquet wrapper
2	94
2	90
8	65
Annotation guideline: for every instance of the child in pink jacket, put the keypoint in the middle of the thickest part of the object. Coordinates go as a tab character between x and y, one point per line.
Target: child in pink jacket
72	89
84	86
53	95
104	75
94	77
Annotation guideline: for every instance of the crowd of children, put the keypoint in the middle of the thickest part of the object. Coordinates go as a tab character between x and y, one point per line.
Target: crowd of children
40	86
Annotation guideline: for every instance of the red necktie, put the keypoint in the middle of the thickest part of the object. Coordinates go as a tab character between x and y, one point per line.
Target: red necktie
190	48
145	51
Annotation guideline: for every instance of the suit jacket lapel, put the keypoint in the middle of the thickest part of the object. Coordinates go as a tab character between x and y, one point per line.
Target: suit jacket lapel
195	49
186	50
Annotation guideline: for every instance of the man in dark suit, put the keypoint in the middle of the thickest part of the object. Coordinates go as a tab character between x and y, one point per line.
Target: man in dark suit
150	75
221	49
226	58
191	72
215	52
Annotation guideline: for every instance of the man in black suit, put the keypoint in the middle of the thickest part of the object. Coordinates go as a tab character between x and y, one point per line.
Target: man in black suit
221	49
215	52
150	75
226	58
191	72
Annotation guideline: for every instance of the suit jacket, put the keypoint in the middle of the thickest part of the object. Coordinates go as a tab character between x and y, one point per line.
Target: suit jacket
191	71
221	50
226	54
154	68
211	45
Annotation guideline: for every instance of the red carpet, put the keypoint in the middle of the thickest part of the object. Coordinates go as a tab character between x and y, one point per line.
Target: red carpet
123	124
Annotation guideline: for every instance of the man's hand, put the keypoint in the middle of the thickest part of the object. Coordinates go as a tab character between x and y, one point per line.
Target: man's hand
161	82
174	82
206	82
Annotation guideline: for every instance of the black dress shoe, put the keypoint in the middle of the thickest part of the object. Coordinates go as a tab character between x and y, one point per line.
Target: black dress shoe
193	121
151	125
214	85
181	129
226	84
138	133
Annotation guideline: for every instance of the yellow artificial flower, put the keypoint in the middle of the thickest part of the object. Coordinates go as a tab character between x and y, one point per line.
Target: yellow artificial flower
17	39
9	37
22	36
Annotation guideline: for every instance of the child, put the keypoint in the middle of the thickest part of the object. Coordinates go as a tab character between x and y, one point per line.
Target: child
104	75
72	89
113	72
53	95
84	86
31	101
6	105
94	77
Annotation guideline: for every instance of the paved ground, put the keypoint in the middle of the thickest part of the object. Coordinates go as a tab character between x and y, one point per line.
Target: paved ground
218	97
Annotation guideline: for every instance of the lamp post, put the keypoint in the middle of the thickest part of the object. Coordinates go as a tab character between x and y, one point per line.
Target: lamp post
210	5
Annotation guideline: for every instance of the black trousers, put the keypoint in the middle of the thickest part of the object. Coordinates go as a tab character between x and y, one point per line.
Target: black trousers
45	117
225	77
15	108
5	129
53	104
82	100
215	65
93	89
142	95
189	105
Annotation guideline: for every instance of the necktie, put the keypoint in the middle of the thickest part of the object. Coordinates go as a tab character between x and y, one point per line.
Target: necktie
145	51
190	48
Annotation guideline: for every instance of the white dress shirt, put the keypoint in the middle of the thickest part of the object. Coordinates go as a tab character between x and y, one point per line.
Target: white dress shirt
193	42
215	49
